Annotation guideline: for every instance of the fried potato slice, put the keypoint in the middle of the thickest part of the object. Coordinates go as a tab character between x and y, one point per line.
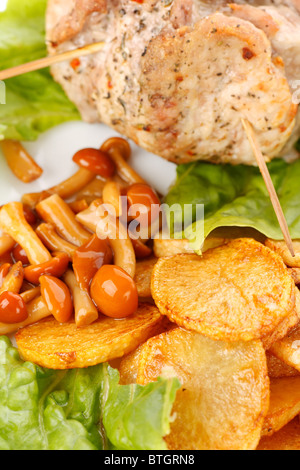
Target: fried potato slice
128	367
143	275
225	389
164	247
295	273
287	325
239	291
64	346
281	248
287	349
288	438
284	404
278	369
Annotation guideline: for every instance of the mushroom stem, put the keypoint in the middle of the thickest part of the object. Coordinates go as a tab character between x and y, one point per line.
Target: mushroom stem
13	222
98	221
56	211
85	310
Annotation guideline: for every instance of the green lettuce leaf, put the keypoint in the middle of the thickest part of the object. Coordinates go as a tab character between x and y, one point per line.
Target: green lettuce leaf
235	196
84	409
34	102
126	410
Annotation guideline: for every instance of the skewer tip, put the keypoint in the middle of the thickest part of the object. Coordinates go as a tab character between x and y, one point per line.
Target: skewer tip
269	184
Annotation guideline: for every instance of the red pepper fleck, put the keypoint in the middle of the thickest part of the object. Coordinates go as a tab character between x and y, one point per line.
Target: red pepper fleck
75	63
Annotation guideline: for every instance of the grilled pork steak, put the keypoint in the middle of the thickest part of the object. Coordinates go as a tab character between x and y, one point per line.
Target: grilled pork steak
177	76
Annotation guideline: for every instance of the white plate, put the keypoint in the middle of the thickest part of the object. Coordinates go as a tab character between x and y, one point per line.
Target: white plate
54	149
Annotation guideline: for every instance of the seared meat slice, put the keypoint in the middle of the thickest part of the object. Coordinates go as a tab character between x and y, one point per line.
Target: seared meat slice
79	77
67	18
175	77
196	102
282	26
292	4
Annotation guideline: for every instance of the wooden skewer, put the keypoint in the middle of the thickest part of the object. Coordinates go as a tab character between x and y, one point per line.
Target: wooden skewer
51	60
269	183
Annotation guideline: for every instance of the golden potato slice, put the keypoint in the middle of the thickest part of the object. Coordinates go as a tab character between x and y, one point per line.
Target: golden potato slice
288	324
225	388
239	291
295	273
284	404
280	247
278	369
64	346
287	349
163	248
143	275
288	438
128	367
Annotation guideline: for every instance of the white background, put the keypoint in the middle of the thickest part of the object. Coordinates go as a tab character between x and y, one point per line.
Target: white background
3	5
54	150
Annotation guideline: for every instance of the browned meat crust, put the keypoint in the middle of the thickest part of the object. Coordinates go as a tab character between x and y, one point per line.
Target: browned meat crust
66	18
177	78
